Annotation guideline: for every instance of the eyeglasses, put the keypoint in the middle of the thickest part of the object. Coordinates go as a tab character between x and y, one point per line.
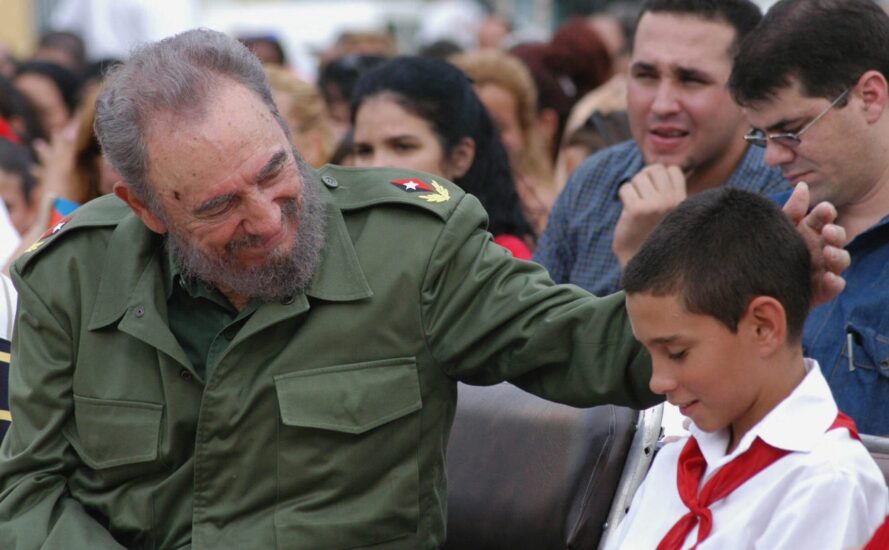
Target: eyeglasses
790	140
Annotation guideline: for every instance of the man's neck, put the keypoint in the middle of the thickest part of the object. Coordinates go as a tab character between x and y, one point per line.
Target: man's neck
788	370
237	300
859	215
717	173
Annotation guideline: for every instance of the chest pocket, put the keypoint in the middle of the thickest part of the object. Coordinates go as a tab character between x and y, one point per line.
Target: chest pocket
347	454
113	433
869	349
350	398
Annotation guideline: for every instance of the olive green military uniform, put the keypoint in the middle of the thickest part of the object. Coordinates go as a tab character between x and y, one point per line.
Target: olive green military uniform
323	423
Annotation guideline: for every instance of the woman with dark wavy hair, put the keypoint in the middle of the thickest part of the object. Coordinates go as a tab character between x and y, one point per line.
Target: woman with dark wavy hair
423	114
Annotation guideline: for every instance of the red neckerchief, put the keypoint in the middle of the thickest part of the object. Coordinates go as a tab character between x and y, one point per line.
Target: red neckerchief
692	466
880	540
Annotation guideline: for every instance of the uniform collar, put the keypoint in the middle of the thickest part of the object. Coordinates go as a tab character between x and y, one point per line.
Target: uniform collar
796	424
133	250
799	422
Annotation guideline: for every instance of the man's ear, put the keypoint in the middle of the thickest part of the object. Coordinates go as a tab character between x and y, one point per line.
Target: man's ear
125	193
766	323
874	93
460	160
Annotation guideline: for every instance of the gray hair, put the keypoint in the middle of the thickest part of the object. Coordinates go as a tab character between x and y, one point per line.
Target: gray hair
173	76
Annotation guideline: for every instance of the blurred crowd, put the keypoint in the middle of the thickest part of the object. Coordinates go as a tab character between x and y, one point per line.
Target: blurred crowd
506	118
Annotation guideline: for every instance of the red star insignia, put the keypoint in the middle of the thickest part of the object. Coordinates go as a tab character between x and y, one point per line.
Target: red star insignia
57	227
412	185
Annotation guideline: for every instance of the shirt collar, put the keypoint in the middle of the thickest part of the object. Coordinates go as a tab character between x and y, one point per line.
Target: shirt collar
868	235
172	274
172	277
750	168
796	424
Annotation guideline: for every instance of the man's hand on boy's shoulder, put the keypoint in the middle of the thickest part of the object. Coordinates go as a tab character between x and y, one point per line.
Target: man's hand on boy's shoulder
825	240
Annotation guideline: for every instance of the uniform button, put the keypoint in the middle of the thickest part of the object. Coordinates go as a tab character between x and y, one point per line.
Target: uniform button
229	334
330	181
288	300
184	374
140	311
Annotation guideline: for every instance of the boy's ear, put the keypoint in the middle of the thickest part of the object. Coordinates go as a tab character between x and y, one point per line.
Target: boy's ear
766	321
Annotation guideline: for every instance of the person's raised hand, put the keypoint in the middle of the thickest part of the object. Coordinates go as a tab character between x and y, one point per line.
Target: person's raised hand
647	199
825	241
56	162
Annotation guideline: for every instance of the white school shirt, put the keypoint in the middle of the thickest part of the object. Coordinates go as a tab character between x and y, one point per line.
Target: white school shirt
827	494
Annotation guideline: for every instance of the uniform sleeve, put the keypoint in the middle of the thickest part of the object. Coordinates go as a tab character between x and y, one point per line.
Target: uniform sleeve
488	317
554	249
830	509
36	509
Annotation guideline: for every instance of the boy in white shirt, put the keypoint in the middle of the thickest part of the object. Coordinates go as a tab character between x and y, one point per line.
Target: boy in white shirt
718	295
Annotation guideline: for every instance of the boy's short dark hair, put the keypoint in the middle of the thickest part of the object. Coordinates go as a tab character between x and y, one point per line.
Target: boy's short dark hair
741	15
718	250
825	44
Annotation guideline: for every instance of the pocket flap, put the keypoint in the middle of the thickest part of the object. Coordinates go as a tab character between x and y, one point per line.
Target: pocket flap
870	349
114	432
349	398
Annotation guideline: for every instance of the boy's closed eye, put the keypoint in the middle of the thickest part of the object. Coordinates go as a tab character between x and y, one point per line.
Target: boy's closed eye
676	355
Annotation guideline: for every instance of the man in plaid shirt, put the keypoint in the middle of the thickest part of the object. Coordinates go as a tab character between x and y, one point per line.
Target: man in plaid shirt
688	136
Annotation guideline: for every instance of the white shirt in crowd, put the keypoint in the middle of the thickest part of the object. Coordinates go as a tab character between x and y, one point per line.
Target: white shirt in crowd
827	494
9	237
8	298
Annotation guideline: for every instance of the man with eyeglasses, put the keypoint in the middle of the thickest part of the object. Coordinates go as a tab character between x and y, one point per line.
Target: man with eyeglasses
813	80
687	137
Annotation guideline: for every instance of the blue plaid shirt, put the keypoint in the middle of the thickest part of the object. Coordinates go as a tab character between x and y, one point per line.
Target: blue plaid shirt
576	245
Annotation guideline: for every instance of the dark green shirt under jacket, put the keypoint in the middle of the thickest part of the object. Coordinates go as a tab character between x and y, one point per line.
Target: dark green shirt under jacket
201	318
323	423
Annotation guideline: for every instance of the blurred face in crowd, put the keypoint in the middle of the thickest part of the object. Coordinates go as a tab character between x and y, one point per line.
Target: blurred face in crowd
503	108
308	141
266	51
680	110
386	134
232	197
47	100
21	214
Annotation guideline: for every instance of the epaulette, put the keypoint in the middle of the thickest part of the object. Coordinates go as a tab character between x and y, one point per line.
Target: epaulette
102	212
355	188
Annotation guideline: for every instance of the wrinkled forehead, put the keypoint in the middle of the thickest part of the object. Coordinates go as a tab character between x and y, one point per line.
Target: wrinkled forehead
232	130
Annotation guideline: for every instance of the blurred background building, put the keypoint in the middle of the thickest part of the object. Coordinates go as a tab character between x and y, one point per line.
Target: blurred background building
305	28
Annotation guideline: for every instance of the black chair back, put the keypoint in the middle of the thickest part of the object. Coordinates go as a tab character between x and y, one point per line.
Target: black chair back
525	473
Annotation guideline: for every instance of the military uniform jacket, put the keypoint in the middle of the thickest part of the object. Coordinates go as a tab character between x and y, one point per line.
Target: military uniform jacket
325	423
